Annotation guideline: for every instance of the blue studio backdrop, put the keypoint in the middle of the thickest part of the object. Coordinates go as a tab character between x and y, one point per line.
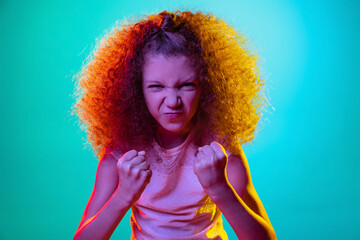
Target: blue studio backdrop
305	156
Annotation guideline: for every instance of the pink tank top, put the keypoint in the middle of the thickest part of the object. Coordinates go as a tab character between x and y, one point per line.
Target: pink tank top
174	205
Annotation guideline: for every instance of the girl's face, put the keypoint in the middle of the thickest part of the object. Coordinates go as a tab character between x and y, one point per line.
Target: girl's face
172	92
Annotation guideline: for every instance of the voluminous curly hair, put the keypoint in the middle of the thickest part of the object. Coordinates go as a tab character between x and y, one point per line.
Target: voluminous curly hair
110	103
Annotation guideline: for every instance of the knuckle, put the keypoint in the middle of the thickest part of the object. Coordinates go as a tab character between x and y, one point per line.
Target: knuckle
146	174
130	154
145	164
120	164
127	167
142	174
136	172
139	158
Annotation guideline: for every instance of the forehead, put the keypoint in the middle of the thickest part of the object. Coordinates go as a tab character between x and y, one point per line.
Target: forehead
164	68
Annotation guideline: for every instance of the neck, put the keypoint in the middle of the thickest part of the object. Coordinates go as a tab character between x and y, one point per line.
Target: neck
170	140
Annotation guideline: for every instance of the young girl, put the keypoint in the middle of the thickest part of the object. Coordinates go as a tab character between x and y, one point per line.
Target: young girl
167	101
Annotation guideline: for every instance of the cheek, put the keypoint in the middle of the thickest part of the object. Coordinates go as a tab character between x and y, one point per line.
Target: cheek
148	103
194	101
152	103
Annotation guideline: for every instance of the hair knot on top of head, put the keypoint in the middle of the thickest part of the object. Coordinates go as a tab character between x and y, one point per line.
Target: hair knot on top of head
167	23
171	29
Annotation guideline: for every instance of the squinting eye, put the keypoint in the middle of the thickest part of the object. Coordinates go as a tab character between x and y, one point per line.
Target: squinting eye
188	85
155	86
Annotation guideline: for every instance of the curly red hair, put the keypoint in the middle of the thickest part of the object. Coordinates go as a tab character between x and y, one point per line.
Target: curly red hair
110	102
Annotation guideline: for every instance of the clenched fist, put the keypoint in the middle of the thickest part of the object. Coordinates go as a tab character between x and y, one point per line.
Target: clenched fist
134	175
209	167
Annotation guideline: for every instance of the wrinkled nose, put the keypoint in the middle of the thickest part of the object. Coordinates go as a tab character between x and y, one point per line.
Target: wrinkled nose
172	99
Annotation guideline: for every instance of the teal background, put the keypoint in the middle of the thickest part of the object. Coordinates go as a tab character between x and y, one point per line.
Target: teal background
304	159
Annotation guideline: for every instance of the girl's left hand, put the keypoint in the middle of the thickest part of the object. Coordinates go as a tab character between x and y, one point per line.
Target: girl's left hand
209	167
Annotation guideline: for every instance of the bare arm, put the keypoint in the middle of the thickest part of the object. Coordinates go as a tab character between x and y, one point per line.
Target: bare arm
112	198
241	205
233	192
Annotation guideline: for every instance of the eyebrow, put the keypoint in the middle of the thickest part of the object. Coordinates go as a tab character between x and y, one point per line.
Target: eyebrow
192	78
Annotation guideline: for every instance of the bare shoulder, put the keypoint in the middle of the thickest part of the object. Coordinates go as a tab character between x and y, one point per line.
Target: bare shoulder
238	173
107	174
106	182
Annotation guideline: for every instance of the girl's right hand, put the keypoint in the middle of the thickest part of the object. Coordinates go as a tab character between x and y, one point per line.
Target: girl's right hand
134	175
